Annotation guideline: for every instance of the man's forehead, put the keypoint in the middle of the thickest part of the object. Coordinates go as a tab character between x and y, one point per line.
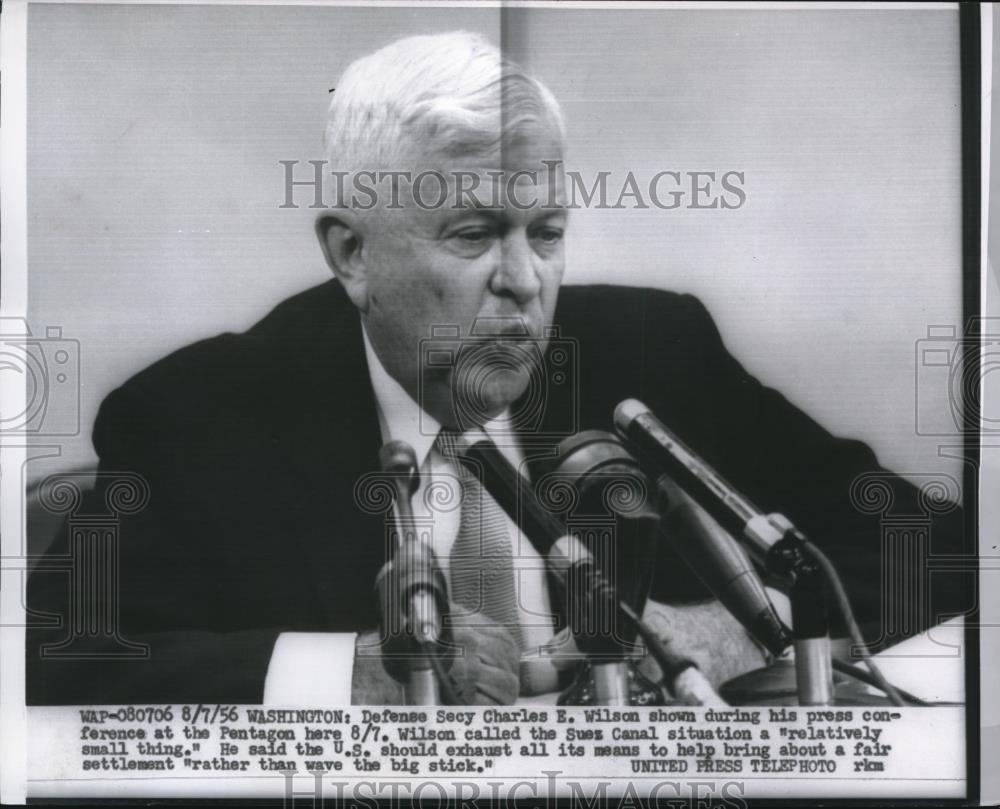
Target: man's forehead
523	176
501	179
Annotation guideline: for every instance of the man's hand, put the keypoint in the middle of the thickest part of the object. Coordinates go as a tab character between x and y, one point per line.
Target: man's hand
371	683
484	665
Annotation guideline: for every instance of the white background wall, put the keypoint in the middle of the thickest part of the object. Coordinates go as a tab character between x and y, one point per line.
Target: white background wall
153	185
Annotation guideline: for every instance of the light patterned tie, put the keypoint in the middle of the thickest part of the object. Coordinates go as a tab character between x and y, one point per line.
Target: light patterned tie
481	561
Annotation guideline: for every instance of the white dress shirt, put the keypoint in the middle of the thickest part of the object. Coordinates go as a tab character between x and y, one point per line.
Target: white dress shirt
316	668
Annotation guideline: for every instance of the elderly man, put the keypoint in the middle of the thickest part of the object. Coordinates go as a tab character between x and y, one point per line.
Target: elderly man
250	573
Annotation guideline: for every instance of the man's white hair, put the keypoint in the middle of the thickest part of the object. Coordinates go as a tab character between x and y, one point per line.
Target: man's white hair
452	94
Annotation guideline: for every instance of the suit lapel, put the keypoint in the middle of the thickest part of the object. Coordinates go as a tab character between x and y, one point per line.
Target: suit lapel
329	442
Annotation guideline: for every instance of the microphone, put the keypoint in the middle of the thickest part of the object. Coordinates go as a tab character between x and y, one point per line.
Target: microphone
413	594
415	561
724	568
768	538
568	559
776	544
398	459
591	595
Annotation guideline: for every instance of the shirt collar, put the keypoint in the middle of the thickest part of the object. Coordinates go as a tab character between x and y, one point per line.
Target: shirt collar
402	419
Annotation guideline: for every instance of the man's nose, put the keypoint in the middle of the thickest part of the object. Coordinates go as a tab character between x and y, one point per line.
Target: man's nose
517	275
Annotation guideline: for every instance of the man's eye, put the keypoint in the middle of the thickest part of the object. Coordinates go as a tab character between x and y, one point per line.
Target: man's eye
549	235
473	235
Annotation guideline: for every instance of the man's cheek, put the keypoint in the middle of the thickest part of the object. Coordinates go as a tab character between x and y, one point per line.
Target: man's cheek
416	307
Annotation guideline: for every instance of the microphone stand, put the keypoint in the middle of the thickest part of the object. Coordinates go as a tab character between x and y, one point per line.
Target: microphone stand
811	638
415	578
413	594
591	601
810	625
603	472
610	682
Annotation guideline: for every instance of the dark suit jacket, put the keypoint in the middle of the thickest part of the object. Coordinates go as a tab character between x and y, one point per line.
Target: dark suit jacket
252	445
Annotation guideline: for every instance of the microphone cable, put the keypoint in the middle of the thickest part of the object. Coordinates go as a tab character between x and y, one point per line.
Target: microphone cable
859	674
844	605
445	682
683	678
695	688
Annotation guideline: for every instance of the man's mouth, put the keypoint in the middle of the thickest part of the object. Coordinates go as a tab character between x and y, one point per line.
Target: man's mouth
501	328
510	343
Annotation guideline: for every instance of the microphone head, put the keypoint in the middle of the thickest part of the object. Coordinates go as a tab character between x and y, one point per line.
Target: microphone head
592	451
627	412
398	457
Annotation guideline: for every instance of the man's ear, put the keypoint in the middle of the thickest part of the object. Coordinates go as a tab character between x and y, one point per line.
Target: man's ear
340	239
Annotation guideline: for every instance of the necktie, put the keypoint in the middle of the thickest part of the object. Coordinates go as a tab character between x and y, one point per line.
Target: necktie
481	560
